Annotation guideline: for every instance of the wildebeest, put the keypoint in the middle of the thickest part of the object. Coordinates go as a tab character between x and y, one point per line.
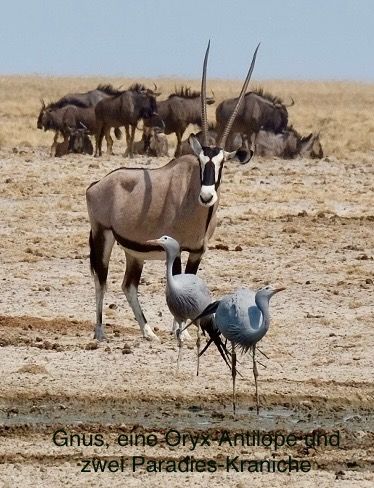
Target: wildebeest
179	110
77	142
288	144
134	205
153	143
71	117
259	110
235	144
83	100
125	109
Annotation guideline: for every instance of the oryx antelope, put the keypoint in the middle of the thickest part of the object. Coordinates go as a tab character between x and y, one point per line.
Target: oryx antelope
132	206
125	109
259	110
179	110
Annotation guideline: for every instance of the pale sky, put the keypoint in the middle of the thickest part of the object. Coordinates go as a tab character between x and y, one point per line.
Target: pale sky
300	39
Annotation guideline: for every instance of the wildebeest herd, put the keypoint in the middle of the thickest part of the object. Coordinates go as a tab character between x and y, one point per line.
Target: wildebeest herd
261	123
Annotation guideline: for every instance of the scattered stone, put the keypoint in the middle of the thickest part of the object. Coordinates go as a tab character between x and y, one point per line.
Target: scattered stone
126	349
222	247
32	369
113	306
91	346
307	282
303	213
8	180
369	281
339	475
238	248
332	334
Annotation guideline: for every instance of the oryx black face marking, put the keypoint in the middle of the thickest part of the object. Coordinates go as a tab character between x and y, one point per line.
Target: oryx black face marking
210	164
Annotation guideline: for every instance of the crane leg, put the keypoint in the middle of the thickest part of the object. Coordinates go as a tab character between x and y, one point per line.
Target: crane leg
255	374
198	342
233	373
180	342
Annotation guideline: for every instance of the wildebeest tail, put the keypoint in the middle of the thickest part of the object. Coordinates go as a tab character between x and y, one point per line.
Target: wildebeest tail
117	133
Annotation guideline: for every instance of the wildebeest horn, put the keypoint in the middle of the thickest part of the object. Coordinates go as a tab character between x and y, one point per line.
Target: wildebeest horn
82	124
204	118
291	104
42	102
228	127
155	92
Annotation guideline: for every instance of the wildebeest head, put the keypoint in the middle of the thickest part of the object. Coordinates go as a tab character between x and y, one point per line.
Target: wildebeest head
146	99
39	123
310	146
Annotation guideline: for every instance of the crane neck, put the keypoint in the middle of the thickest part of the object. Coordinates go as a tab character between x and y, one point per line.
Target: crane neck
170	257
263	304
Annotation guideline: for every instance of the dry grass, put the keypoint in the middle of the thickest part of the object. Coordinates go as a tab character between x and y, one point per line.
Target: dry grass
343	112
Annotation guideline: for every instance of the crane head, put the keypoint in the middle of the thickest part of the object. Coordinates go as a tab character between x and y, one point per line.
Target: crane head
268	291
168	243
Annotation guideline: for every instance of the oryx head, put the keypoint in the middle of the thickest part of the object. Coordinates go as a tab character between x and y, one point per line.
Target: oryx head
212	158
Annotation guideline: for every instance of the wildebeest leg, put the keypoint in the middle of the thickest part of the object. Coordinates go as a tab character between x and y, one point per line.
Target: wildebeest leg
109	141
179	142
130	285
54	145
132	137
193	263
99	141
101	245
127	131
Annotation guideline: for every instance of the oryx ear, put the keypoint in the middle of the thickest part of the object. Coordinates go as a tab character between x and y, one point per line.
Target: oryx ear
195	144
244	155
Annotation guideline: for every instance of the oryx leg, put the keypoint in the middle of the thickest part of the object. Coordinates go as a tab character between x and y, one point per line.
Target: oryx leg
193	263
130	285
109	141
101	245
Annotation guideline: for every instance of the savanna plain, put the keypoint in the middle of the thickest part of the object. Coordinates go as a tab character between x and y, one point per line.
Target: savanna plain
305	224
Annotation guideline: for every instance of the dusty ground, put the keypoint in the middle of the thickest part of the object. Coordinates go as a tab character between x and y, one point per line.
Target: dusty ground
305	224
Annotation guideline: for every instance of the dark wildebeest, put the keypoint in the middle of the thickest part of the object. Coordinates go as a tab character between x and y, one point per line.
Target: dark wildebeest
179	110
153	143
125	109
259	110
69	118
84	100
288	144
78	142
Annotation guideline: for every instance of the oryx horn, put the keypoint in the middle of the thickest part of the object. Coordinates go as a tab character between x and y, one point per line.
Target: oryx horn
222	141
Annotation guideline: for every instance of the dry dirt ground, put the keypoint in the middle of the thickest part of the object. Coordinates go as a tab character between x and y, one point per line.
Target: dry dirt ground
305	224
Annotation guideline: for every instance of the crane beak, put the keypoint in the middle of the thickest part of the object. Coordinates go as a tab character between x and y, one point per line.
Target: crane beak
155	242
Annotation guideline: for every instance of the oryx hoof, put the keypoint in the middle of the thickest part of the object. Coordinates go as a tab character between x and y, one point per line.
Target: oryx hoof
149	334
99	333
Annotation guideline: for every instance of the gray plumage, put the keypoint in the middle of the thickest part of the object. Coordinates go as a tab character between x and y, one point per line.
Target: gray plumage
187	295
243	318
